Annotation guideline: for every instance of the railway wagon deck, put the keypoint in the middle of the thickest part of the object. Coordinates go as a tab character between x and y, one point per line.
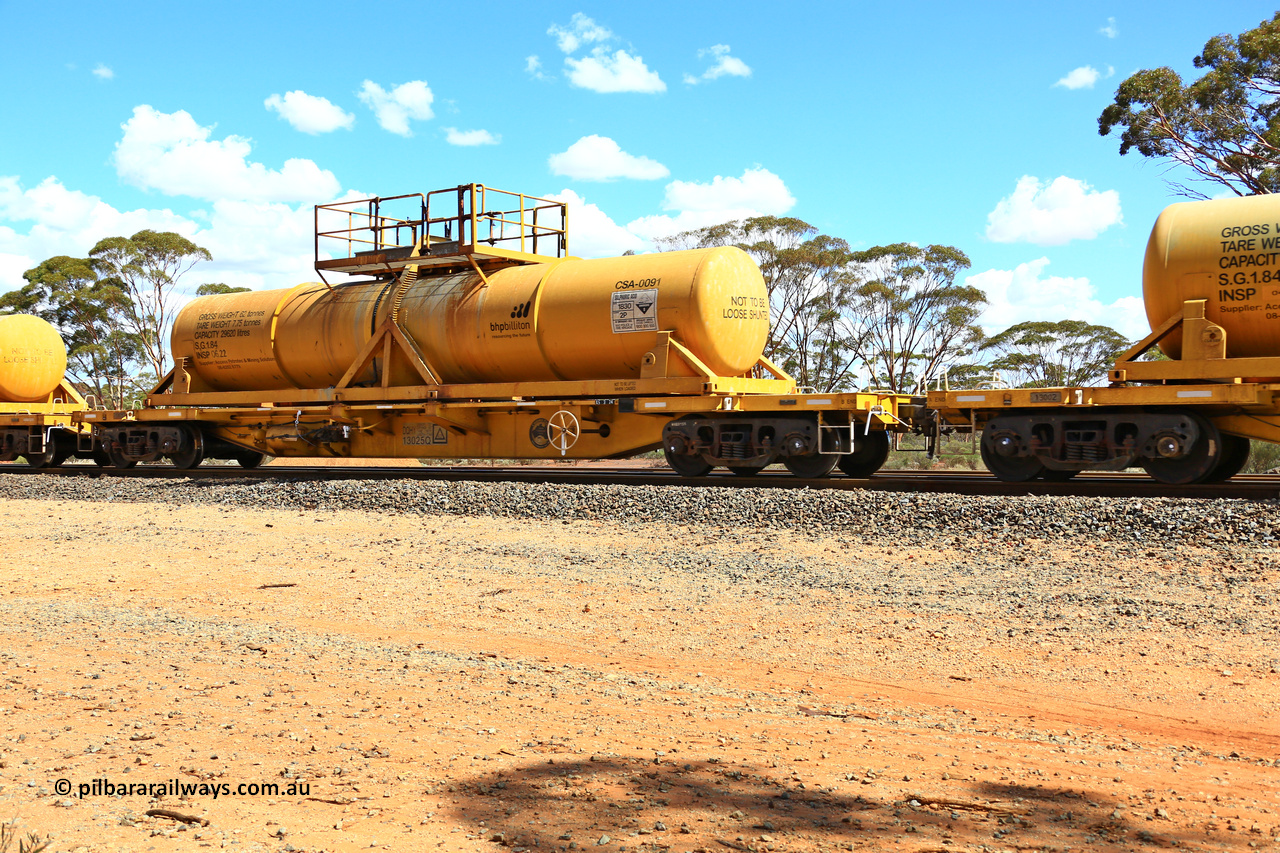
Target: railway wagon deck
476	335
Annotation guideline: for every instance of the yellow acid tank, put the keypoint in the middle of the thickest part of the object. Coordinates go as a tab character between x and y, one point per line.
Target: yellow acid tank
1226	251
33	359
571	320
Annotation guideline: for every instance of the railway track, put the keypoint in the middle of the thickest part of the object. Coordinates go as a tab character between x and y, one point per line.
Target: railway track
1109	484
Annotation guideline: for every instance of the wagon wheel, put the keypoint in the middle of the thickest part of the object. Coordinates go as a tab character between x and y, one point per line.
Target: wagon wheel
998	447
117	459
1235	453
1196	464
811	466
50	457
869	453
190	452
250	458
687	466
563	430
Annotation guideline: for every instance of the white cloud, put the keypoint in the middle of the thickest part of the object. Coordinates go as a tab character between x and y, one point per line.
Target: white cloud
724	65
581	30
171	153
1049	215
257	223
758	192
758	188
600	71
258	244
1081	78
599	158
1110	30
103	72
533	67
470	137
1025	293
310	113
592	234
64	222
396	108
254	244
607	74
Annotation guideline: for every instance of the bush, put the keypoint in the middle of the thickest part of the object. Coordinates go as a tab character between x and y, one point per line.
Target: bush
955	453
31	844
1264	457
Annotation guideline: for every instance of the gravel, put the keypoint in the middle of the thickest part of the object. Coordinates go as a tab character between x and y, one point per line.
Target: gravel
907	519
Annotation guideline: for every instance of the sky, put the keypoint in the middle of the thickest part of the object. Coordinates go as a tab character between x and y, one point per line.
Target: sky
970	125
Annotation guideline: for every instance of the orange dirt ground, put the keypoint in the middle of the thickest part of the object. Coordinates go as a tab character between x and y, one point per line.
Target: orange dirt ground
450	683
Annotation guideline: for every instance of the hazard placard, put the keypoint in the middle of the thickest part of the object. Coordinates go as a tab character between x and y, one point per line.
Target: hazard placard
634	311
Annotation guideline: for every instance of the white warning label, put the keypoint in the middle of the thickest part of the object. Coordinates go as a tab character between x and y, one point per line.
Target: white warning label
634	311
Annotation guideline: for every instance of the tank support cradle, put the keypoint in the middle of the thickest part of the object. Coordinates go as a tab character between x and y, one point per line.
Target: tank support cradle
1204	353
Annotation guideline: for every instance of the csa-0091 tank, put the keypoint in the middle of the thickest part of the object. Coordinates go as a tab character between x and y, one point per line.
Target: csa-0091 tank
1227	252
567	319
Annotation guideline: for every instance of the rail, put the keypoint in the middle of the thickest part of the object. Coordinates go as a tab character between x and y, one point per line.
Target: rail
1088	484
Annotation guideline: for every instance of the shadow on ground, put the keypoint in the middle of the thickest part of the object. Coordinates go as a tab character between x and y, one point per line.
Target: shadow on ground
634	803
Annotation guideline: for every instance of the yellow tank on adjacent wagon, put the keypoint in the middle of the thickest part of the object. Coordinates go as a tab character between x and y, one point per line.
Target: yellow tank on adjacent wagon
1227	253
1211	286
37	404
33	359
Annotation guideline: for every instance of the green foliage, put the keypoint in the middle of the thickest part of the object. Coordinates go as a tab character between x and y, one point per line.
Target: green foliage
147	268
909	318
892	313
219	288
1225	126
90	314
1039	354
800	268
885	316
1264	457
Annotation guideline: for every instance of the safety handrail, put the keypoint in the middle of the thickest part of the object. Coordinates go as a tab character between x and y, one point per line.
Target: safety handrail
468	219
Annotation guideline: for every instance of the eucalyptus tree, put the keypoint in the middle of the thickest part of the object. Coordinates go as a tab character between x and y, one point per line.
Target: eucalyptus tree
215	288
909	319
90	314
147	268
1224	126
778	246
1042	354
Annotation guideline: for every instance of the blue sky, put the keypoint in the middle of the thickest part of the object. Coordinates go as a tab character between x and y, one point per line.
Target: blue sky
972	125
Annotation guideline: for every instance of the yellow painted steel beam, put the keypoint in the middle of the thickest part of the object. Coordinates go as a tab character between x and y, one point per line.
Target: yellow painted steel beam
783	404
1193	370
1260	427
491	390
610	427
1238	394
